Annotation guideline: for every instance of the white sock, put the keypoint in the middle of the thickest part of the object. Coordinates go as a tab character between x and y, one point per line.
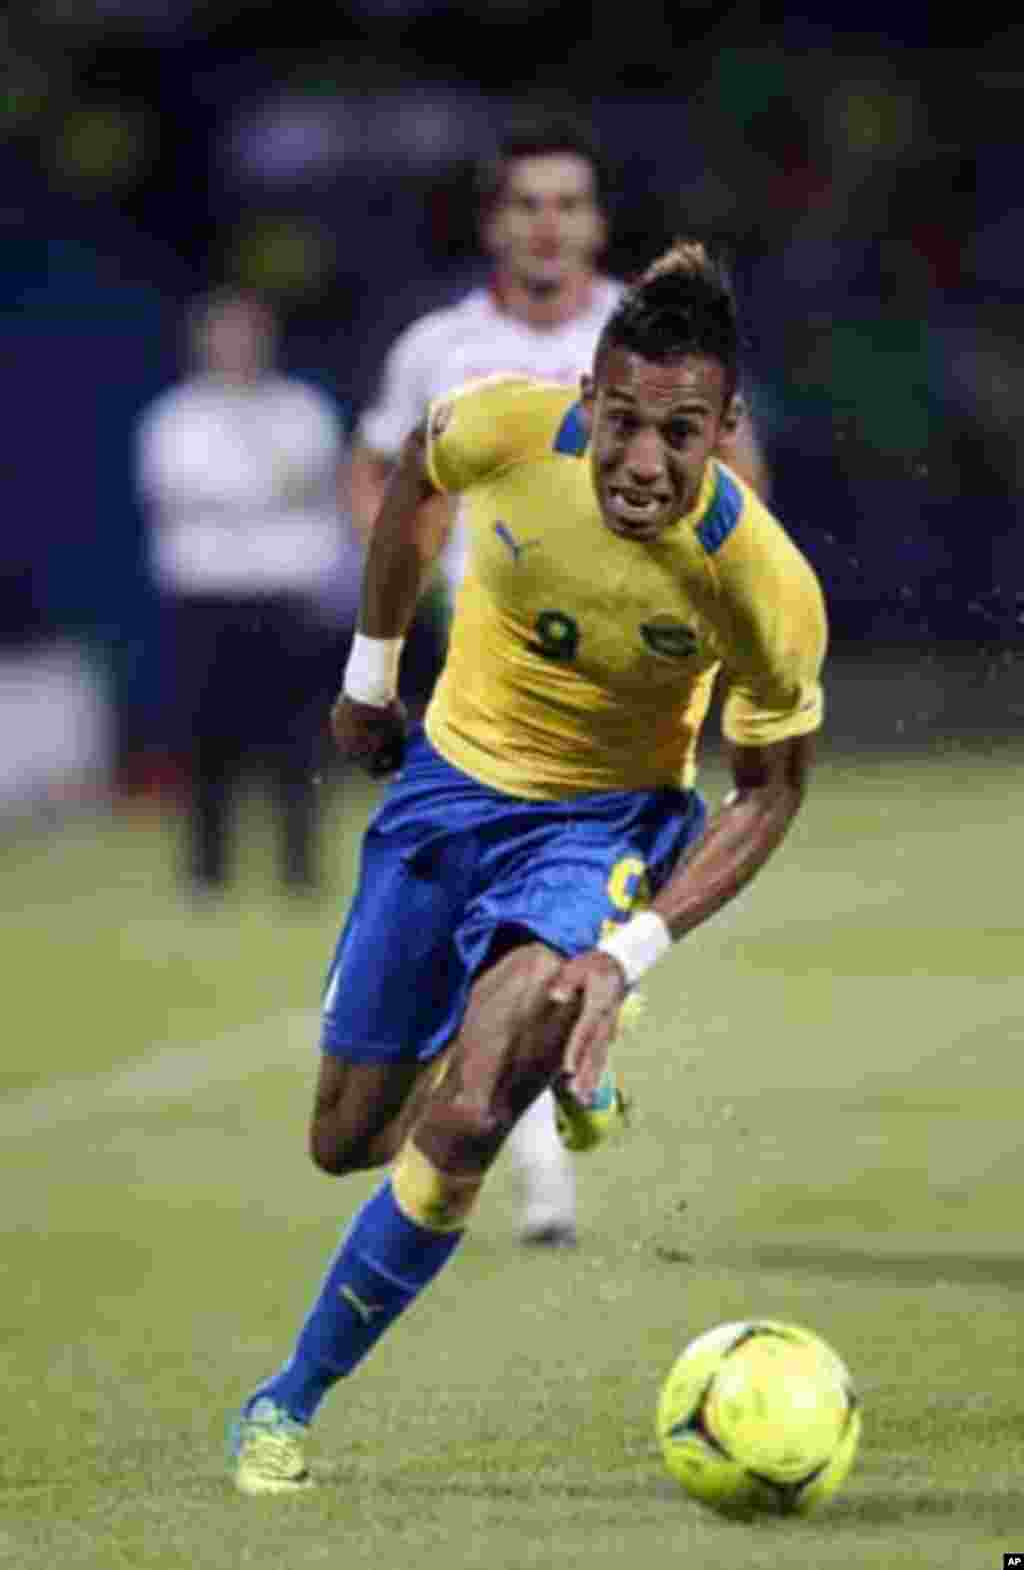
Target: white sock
544	1167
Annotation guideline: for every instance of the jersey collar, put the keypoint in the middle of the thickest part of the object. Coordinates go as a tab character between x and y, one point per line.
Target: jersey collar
702	507
571	437
498	293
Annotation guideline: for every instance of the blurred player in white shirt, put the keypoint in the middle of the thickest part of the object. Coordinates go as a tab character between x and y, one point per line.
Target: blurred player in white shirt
542	222
238	471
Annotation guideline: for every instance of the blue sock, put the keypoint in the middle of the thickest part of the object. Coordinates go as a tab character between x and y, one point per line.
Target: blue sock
383	1264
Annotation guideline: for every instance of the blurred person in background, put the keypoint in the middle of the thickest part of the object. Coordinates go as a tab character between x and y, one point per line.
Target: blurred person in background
238	469
542	220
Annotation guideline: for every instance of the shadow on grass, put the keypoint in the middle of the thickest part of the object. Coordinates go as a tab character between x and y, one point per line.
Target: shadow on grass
991	1510
529	1489
1005	1270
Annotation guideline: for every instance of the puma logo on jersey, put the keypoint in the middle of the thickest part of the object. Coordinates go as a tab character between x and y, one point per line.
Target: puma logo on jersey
365	1310
506	537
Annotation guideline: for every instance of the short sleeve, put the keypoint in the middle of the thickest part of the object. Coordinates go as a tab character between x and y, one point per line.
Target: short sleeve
773	674
484	427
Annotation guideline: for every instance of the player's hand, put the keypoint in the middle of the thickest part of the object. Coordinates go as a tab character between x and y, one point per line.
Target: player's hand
595	985
368	735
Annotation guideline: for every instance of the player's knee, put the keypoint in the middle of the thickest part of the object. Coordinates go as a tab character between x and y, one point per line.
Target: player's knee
326	1150
337	1151
462	1135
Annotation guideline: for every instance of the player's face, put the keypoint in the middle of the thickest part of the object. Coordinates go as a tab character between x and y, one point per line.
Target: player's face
238	340
546	225
652	429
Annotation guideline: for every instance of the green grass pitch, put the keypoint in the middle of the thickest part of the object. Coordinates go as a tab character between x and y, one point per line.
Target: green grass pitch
828	1121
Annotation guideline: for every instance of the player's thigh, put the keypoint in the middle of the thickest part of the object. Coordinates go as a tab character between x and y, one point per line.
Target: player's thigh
509	1048
361	1111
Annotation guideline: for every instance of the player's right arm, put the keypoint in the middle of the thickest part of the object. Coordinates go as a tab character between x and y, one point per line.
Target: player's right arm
368	719
482	428
368	477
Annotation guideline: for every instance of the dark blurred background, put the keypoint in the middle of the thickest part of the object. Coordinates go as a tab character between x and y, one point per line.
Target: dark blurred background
864	177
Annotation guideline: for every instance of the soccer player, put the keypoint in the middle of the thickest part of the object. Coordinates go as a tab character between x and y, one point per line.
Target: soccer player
542	220
543	843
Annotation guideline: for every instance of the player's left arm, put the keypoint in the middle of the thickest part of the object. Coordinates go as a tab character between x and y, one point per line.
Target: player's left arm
738	447
769	784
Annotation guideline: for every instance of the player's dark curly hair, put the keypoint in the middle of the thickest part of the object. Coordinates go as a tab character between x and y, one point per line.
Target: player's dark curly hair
683	304
539	134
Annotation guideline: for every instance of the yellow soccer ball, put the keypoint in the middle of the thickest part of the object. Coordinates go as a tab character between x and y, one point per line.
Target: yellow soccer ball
759	1416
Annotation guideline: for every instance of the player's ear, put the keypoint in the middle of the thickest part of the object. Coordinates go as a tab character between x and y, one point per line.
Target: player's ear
601	231
489	229
734	412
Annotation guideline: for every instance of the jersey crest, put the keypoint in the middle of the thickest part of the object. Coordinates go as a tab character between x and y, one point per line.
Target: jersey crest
674	640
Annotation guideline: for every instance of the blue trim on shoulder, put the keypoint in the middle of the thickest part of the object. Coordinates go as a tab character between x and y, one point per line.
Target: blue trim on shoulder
723	515
571	437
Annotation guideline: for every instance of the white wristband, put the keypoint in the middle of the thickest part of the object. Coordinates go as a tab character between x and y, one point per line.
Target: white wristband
637	944
371	674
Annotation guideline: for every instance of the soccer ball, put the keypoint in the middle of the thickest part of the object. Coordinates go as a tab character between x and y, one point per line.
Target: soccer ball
759	1416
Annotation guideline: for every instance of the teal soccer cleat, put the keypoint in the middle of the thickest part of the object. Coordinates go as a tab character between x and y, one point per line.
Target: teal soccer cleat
584	1125
267	1446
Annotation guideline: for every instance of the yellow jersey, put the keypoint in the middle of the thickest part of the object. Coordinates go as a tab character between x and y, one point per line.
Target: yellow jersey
580	661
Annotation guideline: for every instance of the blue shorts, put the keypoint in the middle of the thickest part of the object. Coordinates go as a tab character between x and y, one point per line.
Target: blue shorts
448	862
